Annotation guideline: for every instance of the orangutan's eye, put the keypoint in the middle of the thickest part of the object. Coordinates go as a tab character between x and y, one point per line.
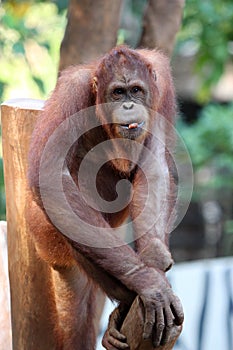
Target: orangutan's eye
136	89
118	91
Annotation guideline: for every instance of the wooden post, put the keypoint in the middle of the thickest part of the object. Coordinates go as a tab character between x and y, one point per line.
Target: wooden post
32	327
132	328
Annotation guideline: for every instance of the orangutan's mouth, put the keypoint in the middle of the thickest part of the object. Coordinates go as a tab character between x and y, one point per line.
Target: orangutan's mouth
132	126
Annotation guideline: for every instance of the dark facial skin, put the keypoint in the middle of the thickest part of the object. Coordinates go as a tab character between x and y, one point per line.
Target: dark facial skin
129	95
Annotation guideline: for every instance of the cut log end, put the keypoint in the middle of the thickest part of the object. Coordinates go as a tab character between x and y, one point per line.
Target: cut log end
132	328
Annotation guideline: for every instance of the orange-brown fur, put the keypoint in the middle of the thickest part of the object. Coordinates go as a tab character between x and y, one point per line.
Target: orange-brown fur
79	270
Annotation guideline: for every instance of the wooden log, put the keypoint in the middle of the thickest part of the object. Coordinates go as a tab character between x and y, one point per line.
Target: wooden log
32	326
132	328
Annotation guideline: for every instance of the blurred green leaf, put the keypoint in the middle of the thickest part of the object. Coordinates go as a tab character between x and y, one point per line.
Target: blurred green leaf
18	48
39	83
208	25
61	4
210	143
2	86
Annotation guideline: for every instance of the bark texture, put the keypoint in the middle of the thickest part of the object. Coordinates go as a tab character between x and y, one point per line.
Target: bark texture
161	22
91	30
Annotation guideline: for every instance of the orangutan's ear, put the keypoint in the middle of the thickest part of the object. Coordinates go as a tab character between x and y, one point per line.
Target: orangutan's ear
95	84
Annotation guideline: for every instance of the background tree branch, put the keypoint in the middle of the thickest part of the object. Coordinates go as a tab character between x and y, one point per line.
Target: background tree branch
161	22
90	32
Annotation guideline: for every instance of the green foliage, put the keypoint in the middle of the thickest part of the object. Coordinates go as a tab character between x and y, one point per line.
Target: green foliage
208	32
210	143
30	36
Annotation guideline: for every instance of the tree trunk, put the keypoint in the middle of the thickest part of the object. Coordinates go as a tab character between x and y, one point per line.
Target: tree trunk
161	22
91	30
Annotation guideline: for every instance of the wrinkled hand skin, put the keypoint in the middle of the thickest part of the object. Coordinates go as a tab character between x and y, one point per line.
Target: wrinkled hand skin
113	339
162	310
